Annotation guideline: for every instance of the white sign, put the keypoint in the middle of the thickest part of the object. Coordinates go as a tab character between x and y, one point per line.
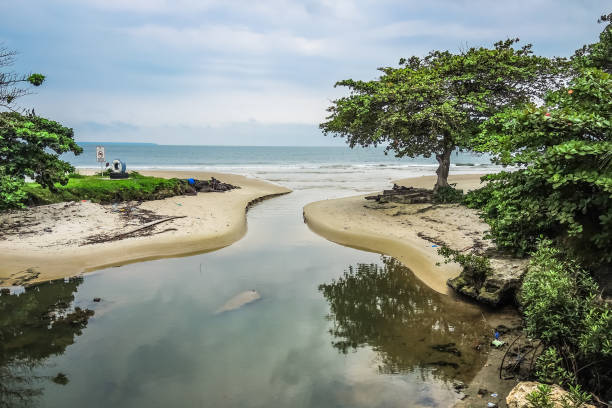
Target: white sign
100	154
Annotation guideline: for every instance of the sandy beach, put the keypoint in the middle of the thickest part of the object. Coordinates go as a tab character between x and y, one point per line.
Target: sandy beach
409	232
55	241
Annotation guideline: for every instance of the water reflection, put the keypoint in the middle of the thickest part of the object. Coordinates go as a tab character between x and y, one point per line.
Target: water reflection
35	325
413	328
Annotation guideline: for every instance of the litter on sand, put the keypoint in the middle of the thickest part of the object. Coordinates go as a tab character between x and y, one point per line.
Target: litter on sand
498	343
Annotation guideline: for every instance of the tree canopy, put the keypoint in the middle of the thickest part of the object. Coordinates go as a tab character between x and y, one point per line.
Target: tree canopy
29	145
434	105
563	189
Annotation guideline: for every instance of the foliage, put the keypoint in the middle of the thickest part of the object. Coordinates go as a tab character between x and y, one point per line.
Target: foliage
541	397
11	192
433	105
30	145
576	397
475	268
563	190
598	55
99	190
562	309
448	195
549	368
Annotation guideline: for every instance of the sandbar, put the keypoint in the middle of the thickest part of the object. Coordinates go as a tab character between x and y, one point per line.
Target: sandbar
412	233
51	242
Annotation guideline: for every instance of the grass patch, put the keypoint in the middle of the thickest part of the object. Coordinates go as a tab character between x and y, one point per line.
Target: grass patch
103	190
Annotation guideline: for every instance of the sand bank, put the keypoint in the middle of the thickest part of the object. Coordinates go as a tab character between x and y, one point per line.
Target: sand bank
54	241
409	232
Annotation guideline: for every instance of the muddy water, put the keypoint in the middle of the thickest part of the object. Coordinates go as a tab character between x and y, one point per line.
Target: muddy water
333	327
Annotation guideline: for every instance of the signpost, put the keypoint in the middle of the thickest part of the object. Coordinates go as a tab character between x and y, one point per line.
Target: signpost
100	157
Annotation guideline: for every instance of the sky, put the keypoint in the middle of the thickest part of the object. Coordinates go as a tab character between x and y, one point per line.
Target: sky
248	72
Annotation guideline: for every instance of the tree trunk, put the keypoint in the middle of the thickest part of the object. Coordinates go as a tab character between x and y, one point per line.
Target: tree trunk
443	169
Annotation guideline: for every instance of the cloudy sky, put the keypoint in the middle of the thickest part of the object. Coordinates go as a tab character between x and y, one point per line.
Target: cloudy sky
247	72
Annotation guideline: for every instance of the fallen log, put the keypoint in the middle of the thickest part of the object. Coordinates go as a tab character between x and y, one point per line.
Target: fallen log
149	225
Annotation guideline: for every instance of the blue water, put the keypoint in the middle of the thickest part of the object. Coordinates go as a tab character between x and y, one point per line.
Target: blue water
340	168
170	156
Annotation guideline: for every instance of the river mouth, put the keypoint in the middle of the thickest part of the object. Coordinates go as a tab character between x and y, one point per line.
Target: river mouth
333	326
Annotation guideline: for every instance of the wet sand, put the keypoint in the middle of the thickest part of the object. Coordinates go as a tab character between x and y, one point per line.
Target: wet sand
411	233
52	242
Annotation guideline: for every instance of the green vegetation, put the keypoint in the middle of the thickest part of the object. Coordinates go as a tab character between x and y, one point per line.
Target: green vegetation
564	189
562	309
104	190
448	195
434	105
29	145
476	268
558	207
541	398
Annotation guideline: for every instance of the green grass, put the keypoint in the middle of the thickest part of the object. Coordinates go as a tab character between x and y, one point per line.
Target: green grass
103	190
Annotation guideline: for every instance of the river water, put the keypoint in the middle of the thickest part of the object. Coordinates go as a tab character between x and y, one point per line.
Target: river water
335	327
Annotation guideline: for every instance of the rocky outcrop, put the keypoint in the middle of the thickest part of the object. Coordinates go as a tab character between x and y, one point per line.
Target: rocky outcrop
194	186
499	287
518	396
403	195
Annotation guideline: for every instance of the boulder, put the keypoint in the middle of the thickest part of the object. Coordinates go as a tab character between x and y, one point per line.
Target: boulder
518	396
499	287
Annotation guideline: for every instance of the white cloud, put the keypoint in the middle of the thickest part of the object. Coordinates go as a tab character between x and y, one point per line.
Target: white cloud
268	102
228	39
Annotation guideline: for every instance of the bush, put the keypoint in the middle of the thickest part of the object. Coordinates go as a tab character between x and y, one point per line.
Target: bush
11	192
571	205
541	398
476	268
549	368
561	309
448	195
105	191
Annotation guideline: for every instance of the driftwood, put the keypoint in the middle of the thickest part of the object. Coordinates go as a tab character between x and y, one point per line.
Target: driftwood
149	225
99	239
403	195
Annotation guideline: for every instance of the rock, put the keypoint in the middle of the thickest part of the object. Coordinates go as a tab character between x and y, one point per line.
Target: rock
518	396
403	195
500	287
5	291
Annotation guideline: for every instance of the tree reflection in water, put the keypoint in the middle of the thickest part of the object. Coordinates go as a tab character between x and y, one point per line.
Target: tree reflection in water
410	326
35	325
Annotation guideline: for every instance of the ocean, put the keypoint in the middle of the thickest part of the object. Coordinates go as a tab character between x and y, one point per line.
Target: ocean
358	169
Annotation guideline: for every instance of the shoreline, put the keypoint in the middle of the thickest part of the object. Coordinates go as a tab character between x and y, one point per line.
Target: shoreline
211	221
392	230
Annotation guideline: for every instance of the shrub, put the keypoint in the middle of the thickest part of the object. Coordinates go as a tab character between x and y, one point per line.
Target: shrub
476	268
448	195
11	192
549	368
562	309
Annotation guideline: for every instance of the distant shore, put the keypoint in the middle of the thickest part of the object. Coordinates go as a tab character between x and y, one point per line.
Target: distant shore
51	242
408	232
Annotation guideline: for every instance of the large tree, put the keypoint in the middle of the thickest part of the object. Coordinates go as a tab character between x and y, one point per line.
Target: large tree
434	105
563	190
29	145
